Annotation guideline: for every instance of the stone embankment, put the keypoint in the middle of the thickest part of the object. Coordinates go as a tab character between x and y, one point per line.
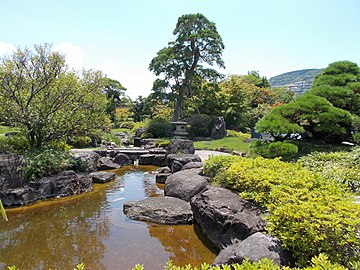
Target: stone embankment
232	224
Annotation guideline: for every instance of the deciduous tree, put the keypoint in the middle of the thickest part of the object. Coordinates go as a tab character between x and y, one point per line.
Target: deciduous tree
39	95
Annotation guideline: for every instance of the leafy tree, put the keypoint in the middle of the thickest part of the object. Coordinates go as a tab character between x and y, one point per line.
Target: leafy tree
40	96
197	42
140	109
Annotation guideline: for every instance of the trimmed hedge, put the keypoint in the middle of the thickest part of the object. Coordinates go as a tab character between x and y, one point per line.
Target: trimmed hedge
309	214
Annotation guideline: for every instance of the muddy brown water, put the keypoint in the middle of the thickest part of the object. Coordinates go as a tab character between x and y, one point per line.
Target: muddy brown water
91	228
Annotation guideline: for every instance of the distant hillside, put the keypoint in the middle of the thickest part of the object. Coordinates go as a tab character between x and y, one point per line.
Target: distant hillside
297	81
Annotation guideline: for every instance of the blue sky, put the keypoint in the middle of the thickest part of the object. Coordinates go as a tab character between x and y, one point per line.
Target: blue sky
121	37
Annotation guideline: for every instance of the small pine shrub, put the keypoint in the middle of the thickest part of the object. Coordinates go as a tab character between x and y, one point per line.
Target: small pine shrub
274	149
200	125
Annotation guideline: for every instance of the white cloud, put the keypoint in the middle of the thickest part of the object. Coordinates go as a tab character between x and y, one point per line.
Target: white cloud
138	82
6	48
74	54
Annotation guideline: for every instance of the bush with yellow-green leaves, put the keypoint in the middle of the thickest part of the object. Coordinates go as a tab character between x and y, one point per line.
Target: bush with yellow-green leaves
308	213
341	166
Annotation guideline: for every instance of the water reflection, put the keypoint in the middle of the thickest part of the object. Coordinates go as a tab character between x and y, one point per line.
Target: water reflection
183	243
91	228
56	236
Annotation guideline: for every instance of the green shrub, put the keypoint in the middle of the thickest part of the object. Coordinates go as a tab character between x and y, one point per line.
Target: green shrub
142	124
146	135
159	127
309	214
217	164
14	144
274	149
313	220
46	162
127	125
80	141
317	263
356	138
238	134
341	166
200	125
162	143
111	137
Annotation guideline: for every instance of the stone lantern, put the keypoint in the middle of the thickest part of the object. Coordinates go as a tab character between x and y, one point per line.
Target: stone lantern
180	129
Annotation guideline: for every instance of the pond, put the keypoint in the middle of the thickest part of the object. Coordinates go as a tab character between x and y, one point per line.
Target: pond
91	228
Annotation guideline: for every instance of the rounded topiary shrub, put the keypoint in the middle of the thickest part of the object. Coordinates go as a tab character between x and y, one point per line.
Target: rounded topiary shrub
159	127
274	149
200	125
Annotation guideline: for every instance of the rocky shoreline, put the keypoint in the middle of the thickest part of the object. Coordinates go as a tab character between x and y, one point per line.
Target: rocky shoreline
235	226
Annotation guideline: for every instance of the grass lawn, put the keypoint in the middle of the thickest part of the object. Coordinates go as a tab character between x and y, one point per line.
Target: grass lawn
230	143
120	130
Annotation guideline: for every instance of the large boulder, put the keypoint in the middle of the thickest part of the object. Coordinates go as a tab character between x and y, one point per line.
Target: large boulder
146	159
159	160
255	248
185	184
218	130
12	170
224	217
102	177
163	210
88	160
122	159
106	163
182	146
177	161
17	196
64	184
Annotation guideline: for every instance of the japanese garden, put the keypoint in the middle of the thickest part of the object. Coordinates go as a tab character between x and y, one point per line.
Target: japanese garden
209	171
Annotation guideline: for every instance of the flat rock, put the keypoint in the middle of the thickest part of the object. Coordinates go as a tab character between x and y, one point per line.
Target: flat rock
106	163
162	210
224	217
185	184
192	165
255	248
102	177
